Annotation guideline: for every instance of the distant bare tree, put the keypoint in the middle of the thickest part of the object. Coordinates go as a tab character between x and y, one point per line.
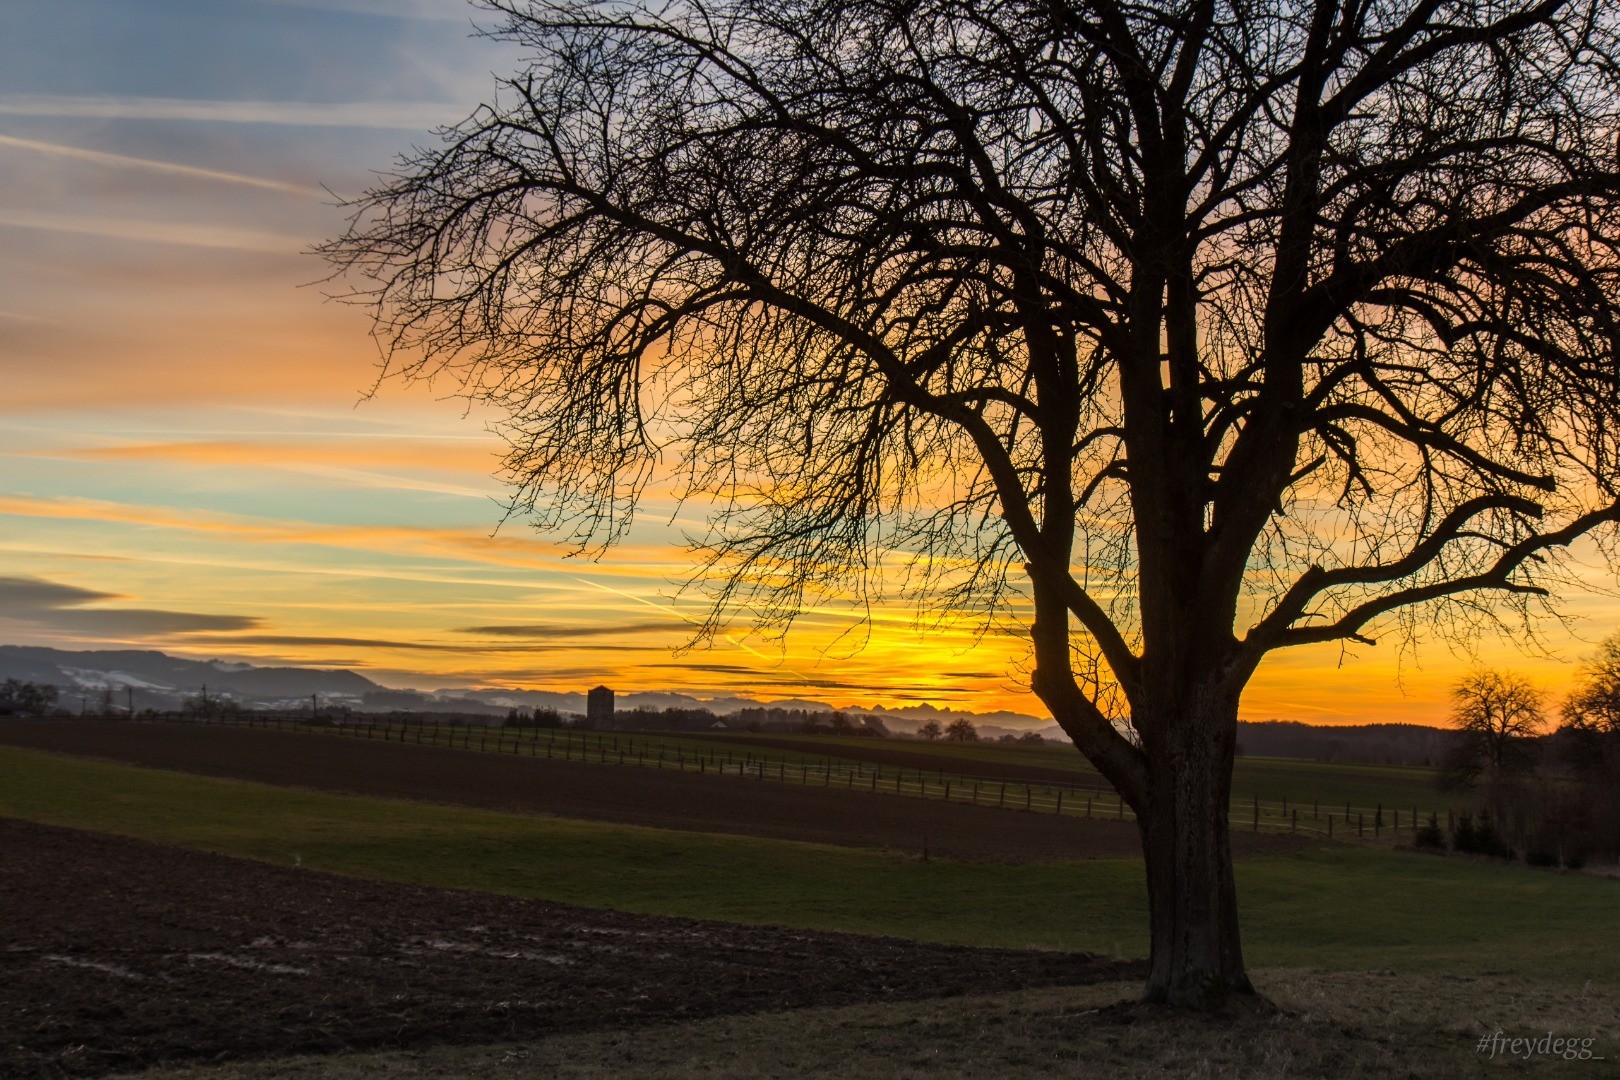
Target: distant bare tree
961	730
1592	739
930	730
1177	331
1499	715
1594	704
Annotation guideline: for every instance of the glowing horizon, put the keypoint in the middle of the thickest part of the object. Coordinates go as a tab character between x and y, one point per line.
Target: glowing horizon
191	466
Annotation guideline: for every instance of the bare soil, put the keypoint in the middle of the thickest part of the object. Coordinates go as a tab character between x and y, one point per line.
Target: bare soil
118	954
640	796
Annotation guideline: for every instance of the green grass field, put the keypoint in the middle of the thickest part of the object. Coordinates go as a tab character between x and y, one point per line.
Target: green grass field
1342	907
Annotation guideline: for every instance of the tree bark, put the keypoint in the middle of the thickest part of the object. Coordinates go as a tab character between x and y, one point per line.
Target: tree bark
1197	952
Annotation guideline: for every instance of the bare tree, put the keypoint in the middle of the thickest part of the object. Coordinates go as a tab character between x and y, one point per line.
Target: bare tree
1178	331
1594	705
930	730
1498	715
961	730
1591	738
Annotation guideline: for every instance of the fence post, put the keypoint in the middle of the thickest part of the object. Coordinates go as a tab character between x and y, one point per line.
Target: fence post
1059	809
1361	824
1029	797
1293	822
1001	800
1256	814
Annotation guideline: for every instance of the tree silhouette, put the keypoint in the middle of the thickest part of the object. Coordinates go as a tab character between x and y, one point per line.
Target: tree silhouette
1179	331
1591	734
26	698
1498	715
1594	705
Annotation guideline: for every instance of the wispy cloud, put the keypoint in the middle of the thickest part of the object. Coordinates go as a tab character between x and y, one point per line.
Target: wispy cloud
159	232
57	606
323	641
552	631
338	641
102	157
298	448
397	465
422	10
37	594
386	115
435	542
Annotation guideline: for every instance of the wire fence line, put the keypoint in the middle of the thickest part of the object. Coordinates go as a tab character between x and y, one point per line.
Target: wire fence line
1081	799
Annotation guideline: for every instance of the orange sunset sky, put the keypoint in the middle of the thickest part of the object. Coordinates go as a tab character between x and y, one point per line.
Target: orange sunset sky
189	464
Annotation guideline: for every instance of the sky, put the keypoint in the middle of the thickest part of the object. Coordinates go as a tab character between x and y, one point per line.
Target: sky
191	459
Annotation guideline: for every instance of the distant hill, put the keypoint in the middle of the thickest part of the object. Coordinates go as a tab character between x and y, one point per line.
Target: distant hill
160	681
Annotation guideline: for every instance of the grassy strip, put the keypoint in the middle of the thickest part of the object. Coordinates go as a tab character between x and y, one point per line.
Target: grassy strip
1303	784
1334	906
1334	1025
1271	779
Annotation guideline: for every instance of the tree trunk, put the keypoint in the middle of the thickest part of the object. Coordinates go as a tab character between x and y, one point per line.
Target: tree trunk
1197	953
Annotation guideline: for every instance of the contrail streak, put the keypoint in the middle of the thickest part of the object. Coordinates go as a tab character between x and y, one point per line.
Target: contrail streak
102	157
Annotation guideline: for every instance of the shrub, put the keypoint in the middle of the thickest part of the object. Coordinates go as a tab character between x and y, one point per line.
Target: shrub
1462	834
1430	837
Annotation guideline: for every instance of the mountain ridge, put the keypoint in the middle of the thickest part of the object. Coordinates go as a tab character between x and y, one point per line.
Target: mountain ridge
161	681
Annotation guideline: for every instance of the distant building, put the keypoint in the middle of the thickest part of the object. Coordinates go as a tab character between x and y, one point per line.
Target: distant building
599	708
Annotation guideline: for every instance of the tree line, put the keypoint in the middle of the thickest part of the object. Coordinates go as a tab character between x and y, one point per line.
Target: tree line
18	698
